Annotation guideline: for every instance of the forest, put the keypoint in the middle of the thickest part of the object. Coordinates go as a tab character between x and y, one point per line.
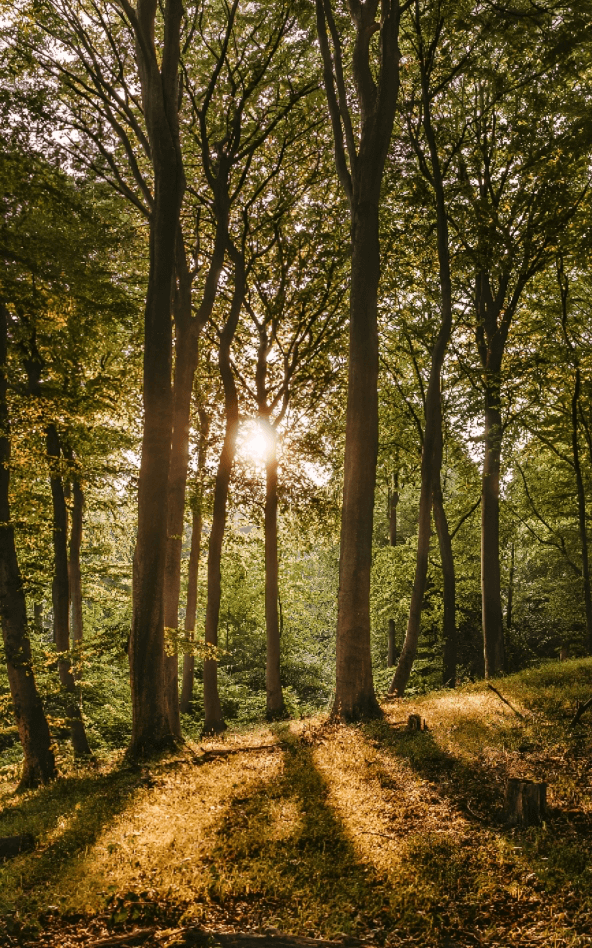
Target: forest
295	473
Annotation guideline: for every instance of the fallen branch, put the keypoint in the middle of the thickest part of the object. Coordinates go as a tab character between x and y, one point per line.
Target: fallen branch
581	706
501	697
207	755
199	936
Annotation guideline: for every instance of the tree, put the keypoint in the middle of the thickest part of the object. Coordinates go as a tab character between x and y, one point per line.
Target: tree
360	167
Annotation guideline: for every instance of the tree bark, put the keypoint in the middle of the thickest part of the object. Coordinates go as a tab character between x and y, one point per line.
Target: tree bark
160	95
187	332
393	504
275	698
392	645
193	571
214	722
449	579
74	562
61	593
431	457
361	181
581	508
38	617
493	636
510	589
39	761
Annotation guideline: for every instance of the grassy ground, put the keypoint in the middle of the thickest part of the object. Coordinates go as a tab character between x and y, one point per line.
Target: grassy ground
319	829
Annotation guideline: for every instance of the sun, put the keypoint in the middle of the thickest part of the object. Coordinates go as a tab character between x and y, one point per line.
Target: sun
256	444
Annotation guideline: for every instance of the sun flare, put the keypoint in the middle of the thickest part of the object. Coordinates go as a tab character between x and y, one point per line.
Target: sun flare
257	444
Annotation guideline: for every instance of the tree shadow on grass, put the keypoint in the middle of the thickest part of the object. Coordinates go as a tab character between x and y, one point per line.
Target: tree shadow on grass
80	806
558	852
285	848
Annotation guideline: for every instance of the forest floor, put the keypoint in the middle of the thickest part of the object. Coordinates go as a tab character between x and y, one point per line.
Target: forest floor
326	831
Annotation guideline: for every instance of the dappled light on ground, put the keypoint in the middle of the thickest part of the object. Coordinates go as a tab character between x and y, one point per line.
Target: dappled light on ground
320	829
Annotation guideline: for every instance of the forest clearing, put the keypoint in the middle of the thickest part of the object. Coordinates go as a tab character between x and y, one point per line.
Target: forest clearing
317	829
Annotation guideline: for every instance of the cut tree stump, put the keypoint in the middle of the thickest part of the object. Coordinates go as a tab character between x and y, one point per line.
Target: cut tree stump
526	802
415	722
13	845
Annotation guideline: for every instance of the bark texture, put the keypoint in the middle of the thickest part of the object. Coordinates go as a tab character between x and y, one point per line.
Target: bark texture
354	691
214	721
431	458
76	628
193	570
160	95
39	761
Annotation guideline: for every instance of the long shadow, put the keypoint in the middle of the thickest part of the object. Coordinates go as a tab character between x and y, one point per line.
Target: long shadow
84	803
558	852
308	877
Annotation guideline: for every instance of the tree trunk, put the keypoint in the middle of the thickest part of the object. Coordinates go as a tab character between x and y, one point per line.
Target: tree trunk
38	617
510	589
39	763
449	579
526	802
361	181
275	698
354	692
74	563
214	722
581	509
392	645
393	504
193	572
61	593
493	636
160	95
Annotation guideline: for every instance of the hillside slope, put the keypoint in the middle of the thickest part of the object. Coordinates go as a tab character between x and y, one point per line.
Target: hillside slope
319	829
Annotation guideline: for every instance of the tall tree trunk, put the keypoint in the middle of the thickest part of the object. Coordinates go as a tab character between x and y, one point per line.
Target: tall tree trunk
38	617
510	589
354	692
187	332
74	563
193	571
360	166
493	636
160	95
581	508
449	579
275	698
431	458
61	594
39	762
214	722
392	645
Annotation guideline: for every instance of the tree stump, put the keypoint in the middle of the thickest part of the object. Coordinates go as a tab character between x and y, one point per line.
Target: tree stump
563	653
526	802
415	722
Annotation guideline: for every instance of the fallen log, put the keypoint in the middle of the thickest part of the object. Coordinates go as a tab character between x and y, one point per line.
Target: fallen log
11	846
213	939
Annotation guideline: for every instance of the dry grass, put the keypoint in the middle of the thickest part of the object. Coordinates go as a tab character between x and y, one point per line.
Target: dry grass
396	838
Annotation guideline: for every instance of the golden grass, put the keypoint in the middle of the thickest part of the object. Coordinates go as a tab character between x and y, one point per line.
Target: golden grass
397	838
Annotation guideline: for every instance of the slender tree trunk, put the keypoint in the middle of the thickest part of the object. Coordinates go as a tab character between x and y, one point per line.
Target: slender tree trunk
354	692
581	508
493	636
160	94
188	329
74	563
193	572
431	458
447	558
510	589
61	594
214	721
393	504
38	617
275	698
39	763
392	645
